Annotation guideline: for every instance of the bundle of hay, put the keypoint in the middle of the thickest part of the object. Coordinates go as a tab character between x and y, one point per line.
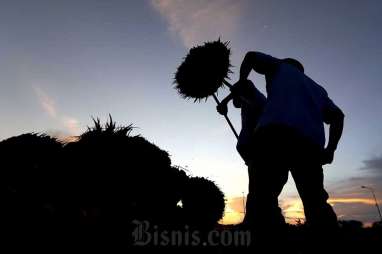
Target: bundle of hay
104	180
29	172
203	202
117	175
203	70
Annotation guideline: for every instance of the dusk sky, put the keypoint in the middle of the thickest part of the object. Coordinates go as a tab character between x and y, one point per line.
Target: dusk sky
62	62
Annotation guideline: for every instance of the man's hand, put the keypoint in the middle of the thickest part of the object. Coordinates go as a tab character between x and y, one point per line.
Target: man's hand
238	88
327	156
335	118
222	108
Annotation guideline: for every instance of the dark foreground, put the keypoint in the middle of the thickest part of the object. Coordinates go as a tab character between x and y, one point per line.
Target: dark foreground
222	239
109	190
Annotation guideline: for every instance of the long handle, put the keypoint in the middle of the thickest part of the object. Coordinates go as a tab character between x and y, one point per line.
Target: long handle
226	118
227	83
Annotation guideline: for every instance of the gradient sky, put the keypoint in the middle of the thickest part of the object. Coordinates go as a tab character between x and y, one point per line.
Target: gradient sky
62	62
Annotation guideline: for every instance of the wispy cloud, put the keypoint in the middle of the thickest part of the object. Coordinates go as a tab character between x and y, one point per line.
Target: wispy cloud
46	102
353	202
292	208
234	211
197	21
62	135
48	105
370	174
373	164
71	124
365	201
346	207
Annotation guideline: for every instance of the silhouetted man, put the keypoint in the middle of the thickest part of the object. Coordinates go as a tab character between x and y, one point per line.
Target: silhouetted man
290	136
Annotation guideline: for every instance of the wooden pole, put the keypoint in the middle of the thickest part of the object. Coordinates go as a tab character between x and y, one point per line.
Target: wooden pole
225	82
227	119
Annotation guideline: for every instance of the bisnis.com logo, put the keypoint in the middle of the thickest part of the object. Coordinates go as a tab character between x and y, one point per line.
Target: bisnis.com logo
144	234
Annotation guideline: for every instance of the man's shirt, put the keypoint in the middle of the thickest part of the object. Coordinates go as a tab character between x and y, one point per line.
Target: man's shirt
293	99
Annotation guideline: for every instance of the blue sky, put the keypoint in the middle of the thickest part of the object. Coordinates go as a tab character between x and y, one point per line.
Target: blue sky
65	61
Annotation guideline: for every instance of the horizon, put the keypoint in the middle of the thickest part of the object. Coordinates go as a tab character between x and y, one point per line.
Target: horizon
63	63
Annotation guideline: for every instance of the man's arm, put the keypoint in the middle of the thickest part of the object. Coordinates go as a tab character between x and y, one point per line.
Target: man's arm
222	108
237	95
259	62
335	131
333	116
238	99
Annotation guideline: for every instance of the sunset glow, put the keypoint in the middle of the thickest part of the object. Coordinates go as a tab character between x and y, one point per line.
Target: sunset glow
64	62
293	208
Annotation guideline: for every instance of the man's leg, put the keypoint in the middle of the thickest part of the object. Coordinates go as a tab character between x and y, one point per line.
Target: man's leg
266	181
249	205
309	179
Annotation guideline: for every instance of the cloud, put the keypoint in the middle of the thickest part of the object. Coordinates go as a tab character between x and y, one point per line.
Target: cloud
293	210
365	201
351	201
347	208
49	106
46	102
373	164
234	211
364	211
370	174
197	21
62	136
71	124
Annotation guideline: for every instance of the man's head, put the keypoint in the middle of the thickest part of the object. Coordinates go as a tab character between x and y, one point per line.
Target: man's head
295	63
